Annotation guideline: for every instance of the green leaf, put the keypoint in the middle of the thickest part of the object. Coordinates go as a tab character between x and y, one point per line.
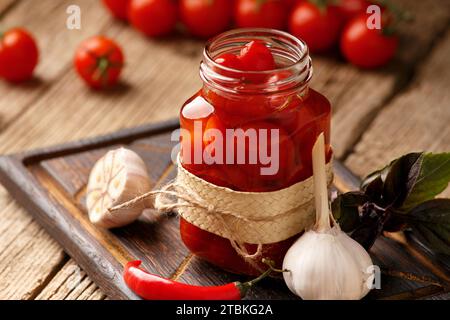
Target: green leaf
345	209
431	221
432	179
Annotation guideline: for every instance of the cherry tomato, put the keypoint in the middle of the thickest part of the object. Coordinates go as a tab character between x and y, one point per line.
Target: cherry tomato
290	3
153	17
205	18
255	56
231	61
214	123
352	8
19	55
99	62
285	157
119	8
367	48
319	28
261	14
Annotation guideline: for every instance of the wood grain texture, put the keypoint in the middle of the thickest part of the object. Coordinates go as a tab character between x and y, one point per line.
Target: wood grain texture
49	187
6	5
57	44
358	95
56	106
47	23
71	283
29	257
416	120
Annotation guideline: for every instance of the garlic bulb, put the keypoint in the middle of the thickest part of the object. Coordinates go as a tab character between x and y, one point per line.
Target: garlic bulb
325	263
118	177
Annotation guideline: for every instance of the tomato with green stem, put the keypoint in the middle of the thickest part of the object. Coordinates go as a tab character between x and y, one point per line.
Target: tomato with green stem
19	55
118	8
154	18
261	14
99	62
318	26
206	18
367	48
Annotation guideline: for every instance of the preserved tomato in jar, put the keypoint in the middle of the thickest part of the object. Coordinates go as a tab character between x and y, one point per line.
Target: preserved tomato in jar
256	95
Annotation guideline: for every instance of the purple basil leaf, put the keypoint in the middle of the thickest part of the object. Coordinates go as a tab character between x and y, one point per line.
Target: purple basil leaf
345	209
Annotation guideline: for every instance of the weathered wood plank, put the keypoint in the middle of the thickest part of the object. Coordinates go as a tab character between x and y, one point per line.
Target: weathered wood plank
153	92
45	19
414	121
6	5
88	113
29	257
358	95
152	243
71	283
47	22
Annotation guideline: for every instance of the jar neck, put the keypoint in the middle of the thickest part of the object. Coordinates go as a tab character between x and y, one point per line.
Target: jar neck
294	66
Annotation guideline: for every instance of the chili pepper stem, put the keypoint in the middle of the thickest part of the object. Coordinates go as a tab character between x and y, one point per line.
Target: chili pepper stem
270	263
246	286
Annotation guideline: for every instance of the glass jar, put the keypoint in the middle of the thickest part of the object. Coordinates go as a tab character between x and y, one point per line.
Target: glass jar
234	99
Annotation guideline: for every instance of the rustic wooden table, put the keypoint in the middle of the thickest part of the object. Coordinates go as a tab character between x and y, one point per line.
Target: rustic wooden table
377	115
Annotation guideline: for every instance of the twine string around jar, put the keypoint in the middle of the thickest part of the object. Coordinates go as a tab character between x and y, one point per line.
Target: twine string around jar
183	193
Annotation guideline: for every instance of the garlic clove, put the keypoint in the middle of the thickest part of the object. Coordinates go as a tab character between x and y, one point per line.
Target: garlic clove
119	176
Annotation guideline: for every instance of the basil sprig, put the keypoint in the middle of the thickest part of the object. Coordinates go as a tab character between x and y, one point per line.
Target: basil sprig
400	196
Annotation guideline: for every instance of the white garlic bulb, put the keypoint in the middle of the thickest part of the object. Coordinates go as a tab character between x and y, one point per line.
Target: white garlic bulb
327	266
325	263
118	177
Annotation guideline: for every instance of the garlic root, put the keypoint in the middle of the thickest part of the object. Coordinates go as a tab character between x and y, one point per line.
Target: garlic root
118	177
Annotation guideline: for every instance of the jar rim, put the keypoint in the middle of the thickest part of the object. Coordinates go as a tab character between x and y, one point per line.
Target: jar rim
296	51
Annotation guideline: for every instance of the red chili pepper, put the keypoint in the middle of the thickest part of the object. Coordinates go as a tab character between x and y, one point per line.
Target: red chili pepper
152	287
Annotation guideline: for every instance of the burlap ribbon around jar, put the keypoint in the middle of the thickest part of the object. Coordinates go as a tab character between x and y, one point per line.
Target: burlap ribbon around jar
242	217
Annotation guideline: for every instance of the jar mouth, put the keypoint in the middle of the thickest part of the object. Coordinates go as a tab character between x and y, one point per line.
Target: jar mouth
291	56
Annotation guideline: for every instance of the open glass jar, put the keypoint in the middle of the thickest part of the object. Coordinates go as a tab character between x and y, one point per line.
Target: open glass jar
261	100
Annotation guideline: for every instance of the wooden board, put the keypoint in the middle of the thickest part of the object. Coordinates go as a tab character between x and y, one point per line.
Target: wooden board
51	183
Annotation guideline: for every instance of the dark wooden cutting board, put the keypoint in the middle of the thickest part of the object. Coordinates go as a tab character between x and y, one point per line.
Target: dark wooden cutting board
51	183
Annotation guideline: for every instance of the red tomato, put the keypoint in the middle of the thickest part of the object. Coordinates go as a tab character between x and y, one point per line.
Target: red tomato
119	8
208	136
319	28
229	60
205	18
261	14
285	156
153	17
99	62
352	8
367	48
19	55
255	56
290	3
